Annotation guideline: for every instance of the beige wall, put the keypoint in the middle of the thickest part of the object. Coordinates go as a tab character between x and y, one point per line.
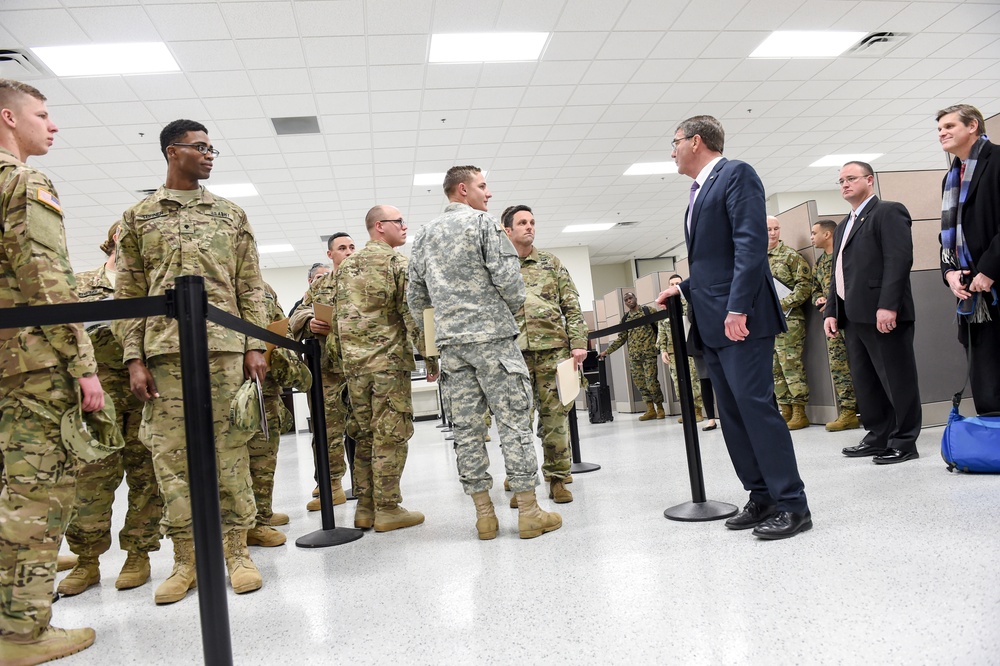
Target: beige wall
608	277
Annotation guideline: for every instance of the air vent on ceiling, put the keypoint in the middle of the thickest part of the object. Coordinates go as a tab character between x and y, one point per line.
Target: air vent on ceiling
296	125
19	65
878	44
627	224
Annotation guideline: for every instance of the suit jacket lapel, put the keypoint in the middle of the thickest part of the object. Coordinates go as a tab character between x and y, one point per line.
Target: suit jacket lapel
703	194
862	216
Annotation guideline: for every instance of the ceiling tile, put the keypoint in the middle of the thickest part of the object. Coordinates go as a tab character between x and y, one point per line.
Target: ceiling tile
260	19
529	15
591	15
334	51
271	53
44	27
330	17
280	82
206	56
174	22
398	49
574	46
398	17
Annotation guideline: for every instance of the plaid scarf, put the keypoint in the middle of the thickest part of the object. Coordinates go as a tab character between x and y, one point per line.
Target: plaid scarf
954	251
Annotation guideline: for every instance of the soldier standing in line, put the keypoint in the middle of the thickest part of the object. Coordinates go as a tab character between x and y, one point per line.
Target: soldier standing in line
183	229
303	324
847	419
89	532
377	337
551	330
641	356
790	269
44	371
464	266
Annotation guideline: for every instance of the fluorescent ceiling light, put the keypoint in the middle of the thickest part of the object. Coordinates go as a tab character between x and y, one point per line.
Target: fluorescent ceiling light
840	160
428	179
600	226
107	59
233	191
487	46
806	44
650	168
274	249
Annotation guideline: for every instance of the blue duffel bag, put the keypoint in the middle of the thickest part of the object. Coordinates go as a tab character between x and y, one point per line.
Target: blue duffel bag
971	444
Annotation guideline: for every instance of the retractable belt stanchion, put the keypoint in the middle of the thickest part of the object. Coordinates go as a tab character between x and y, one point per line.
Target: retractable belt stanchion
444	417
699	508
203	480
330	535
578	466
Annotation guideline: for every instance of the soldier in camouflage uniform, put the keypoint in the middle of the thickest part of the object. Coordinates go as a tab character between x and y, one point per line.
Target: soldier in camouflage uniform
641	357
303	324
791	269
89	533
847	417
464	266
377	337
665	343
551	330
183	229
43	370
263	451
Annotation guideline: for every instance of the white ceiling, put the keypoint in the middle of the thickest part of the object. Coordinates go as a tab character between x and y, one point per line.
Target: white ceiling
557	134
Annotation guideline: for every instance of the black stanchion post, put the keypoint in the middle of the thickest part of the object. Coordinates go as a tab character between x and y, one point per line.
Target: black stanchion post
203	481
330	535
444	417
578	466
699	508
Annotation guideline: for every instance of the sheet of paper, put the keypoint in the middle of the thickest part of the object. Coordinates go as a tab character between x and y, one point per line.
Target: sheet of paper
567	381
323	312
782	290
260	402
279	327
431	348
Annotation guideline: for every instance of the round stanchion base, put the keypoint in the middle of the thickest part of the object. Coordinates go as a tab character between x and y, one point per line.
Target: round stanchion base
349	494
325	538
449	438
583	468
696	512
440	425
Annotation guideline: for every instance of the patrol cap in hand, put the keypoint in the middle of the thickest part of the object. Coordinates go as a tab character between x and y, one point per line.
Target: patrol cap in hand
244	410
288	371
92	436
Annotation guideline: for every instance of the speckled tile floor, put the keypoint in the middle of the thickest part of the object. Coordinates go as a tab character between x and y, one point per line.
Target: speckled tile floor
902	567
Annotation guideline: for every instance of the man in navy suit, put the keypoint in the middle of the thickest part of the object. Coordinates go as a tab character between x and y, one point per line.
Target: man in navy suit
738	315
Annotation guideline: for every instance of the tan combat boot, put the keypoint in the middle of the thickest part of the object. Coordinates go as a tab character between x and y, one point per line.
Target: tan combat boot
650	412
85	574
486	518
278	519
531	520
66	562
558	492
135	571
53	643
568	479
339	496
266	536
846	420
243	573
786	412
799	419
182	578
660	414
364	514
396	518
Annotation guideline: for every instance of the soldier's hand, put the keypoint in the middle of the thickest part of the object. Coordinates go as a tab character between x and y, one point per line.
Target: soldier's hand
319	327
830	326
254	366
93	394
141	382
821	303
432	376
578	356
666	357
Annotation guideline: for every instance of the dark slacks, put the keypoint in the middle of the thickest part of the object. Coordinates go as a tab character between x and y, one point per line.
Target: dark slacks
758	440
884	371
985	380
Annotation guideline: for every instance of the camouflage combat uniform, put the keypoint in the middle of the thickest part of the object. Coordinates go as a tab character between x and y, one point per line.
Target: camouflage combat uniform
641	356
38	371
89	533
377	337
665	343
464	266
792	270
551	324
840	370
163	238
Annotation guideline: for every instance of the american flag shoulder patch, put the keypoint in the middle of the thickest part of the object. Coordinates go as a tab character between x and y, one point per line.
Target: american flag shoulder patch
49	200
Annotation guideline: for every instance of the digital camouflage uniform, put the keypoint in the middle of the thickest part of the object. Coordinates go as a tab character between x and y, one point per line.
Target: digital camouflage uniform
38	371
161	239
551	324
464	266
377	337
89	533
665	343
263	451
641	356
791	269
840	370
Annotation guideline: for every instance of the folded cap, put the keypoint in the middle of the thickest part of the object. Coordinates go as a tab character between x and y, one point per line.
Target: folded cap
288	371
92	436
244	410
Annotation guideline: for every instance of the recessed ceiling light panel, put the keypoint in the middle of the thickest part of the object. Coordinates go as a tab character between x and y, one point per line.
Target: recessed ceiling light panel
107	59
232	191
580	228
274	249
428	179
487	46
806	44
840	160
650	168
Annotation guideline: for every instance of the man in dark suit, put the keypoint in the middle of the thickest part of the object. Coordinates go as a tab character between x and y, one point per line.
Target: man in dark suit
738	314
973	183
870	299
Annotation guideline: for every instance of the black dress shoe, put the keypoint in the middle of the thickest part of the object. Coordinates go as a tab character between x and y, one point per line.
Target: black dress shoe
893	456
863	449
784	524
753	514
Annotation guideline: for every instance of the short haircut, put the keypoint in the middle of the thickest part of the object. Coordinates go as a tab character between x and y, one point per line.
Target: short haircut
11	90
315	268
865	167
508	214
339	234
458	175
708	128
966	113
675	275
374	215
827	225
176	130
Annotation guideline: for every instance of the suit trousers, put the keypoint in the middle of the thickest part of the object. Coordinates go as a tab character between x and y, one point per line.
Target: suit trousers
757	437
985	380
884	371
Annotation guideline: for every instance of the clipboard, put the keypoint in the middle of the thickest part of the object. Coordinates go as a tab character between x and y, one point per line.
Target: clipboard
567	381
429	332
279	327
323	312
260	401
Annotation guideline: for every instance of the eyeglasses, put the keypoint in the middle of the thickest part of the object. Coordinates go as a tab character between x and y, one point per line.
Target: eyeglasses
399	222
850	179
200	147
676	142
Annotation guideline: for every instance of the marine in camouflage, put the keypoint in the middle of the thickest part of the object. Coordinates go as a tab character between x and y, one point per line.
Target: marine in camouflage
641	356
665	343
791	269
836	350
